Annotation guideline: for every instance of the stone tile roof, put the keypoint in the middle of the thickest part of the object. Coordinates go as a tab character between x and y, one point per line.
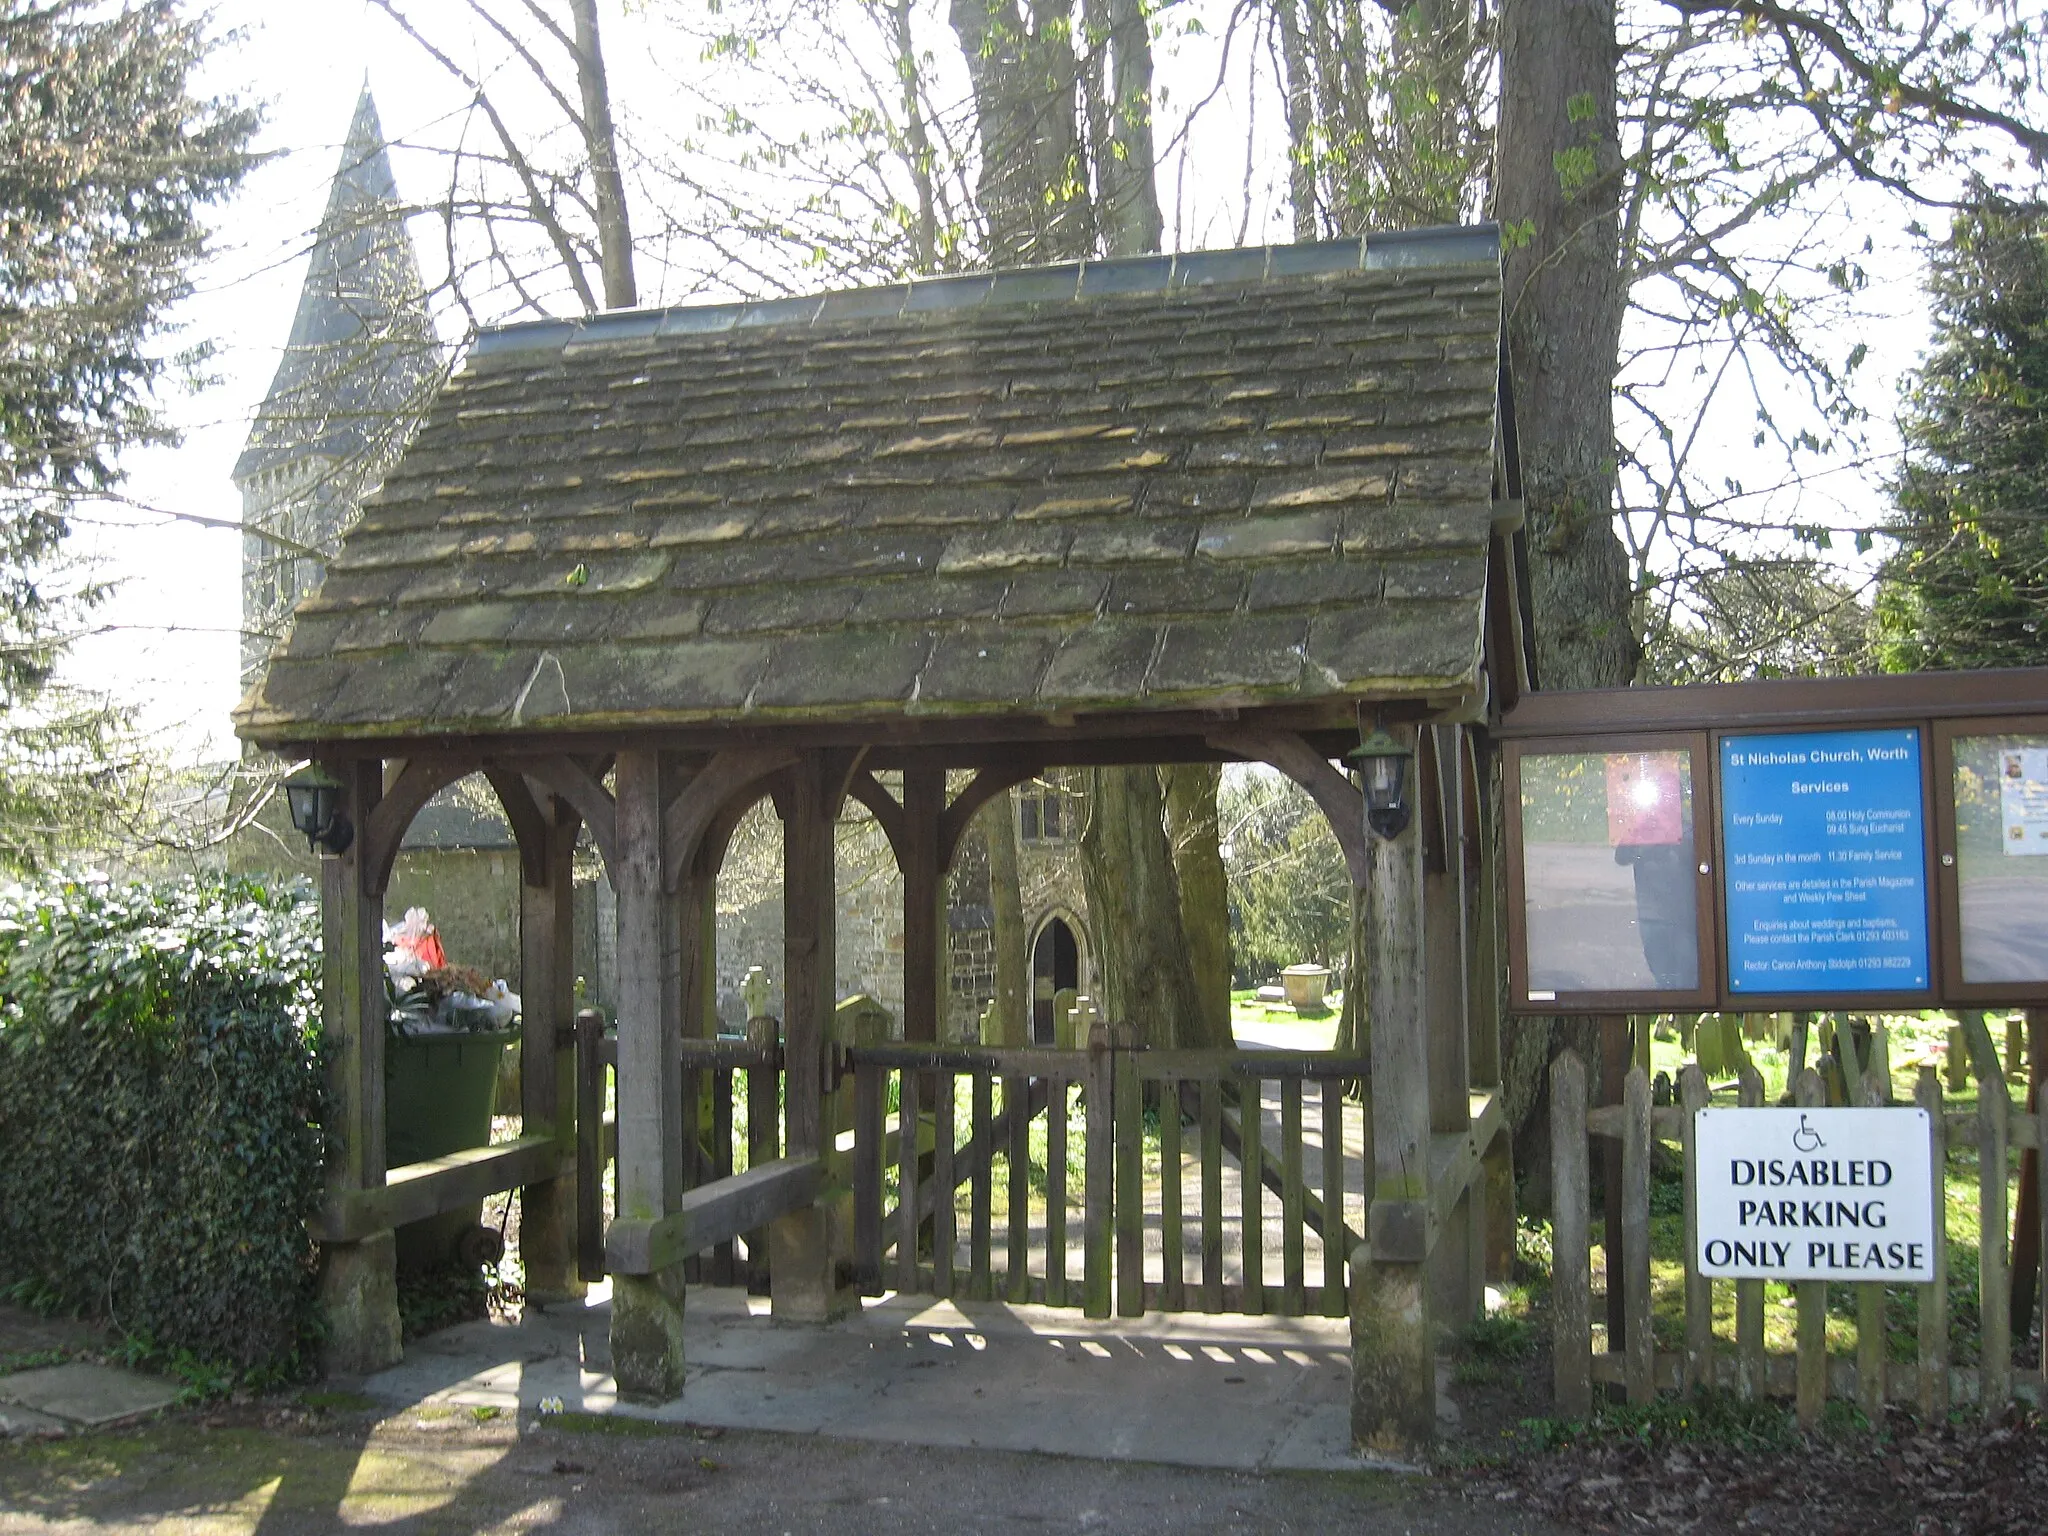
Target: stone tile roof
1241	478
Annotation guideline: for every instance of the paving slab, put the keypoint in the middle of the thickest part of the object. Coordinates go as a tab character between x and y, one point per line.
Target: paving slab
88	1395
16	1420
1247	1394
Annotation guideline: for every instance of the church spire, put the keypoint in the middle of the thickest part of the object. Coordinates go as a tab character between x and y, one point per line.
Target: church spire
362	347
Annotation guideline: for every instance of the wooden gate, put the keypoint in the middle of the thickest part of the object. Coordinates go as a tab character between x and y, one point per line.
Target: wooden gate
1138	1115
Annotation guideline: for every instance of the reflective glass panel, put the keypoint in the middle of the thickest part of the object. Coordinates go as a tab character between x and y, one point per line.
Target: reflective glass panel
2001	789
1611	901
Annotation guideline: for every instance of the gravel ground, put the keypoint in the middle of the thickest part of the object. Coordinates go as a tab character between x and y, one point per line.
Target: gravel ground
285	1471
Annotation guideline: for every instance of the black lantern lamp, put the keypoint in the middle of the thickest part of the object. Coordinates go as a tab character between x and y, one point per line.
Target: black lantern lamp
1383	765
314	797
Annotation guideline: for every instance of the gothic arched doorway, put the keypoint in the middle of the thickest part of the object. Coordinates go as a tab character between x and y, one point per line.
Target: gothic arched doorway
1055	968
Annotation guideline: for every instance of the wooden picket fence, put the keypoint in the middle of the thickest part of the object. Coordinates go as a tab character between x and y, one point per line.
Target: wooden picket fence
1931	1381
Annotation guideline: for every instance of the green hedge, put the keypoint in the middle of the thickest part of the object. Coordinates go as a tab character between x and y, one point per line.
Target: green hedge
160	1111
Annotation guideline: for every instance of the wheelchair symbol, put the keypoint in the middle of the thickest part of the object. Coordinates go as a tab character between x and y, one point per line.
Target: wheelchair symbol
1806	1138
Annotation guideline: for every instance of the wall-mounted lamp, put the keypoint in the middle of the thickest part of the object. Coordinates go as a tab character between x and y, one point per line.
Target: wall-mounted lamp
1383	765
314	798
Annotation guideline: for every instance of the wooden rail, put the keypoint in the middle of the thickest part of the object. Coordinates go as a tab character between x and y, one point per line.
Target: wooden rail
417	1191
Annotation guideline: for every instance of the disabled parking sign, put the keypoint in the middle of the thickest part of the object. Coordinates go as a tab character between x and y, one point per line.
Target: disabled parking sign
1815	1194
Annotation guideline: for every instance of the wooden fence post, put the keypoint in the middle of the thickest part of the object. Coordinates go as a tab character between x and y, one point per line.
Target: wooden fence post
1699	1289
1875	1092
1749	1294
1810	1092
1934	1391
1994	1316
1570	1241
1098	1174
1640	1349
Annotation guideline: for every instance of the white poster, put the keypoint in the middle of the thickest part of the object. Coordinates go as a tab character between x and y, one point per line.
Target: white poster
1816	1194
2023	799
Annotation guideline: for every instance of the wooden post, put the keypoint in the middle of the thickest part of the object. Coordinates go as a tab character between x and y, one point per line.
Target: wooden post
1393	1344
1812	1299
547	1056
358	1281
1443	934
808	1247
1870	1339
1130	1174
1616	1053
1571	1284
1098	1174
1994	1110
1640	1351
2028	1214
647	1310
1749	1294
1934	1384
1699	1289
924	899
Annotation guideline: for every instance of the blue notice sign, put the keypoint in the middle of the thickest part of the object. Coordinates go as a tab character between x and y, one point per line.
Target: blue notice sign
1826	874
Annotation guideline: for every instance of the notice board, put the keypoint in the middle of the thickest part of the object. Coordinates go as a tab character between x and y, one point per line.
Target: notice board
1824	851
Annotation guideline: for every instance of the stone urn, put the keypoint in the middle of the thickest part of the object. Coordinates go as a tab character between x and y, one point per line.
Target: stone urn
1305	986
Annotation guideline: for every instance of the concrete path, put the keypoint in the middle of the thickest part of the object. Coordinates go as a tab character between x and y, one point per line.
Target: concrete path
1236	1393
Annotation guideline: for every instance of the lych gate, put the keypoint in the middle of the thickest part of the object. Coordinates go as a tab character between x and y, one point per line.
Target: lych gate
646	569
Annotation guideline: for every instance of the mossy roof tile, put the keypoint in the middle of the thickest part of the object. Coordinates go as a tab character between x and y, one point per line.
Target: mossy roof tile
1181	481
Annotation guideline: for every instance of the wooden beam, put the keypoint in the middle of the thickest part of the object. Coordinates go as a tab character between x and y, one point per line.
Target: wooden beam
352	988
920	857
419	781
531	826
1331	789
420	1190
650	1179
712	1214
1444	940
585	791
809	913
1396	982
981	789
1123	736
888	814
728	774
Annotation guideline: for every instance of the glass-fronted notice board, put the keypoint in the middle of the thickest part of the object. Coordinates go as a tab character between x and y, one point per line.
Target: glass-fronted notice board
2001	854
1610	883
1824	843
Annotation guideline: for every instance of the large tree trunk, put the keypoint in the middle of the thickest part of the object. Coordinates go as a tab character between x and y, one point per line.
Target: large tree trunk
1134	900
1204	893
1558	183
998	822
1033	186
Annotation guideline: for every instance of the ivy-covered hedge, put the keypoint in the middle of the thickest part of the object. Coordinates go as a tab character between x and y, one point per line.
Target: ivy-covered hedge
160	1111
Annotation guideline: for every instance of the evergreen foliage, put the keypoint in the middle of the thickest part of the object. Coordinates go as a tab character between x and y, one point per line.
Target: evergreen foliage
106	158
1290	893
160	1107
1969	584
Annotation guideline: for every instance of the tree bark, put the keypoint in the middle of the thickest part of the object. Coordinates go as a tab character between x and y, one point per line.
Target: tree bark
1557	193
1204	893
1006	902
601	143
1033	187
1134	899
